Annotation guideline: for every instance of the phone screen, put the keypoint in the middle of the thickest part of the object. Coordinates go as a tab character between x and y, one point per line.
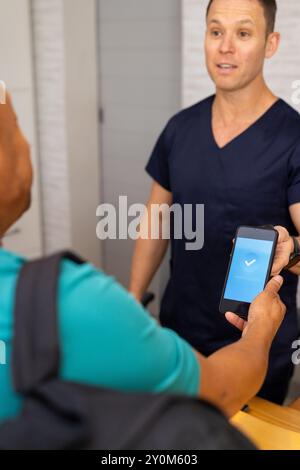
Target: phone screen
248	270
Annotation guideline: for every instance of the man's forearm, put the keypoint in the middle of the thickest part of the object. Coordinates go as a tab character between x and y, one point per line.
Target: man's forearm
146	260
235	373
151	246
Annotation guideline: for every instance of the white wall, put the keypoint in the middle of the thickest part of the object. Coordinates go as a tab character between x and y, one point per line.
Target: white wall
140	79
49	54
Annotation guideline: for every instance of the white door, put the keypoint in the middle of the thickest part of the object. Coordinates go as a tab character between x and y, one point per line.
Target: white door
140	89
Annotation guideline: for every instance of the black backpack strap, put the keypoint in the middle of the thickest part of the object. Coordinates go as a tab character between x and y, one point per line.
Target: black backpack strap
35	352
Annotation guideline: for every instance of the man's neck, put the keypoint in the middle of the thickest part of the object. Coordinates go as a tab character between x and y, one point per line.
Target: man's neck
243	105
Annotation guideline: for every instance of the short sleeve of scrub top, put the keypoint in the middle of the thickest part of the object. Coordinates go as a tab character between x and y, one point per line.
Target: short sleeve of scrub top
294	177
158	165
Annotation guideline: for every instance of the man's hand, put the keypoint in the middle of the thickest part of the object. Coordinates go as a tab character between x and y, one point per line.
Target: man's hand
234	374
285	248
266	312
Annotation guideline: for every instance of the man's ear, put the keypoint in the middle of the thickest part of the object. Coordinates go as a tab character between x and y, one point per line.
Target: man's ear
272	45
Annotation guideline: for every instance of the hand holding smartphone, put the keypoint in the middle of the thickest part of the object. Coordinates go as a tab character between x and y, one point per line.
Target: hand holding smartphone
249	268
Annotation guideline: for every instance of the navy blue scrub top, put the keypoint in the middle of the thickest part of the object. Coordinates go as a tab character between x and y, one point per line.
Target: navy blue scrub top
251	181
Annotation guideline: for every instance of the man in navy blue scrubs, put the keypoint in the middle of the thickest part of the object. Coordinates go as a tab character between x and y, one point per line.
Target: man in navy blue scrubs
238	153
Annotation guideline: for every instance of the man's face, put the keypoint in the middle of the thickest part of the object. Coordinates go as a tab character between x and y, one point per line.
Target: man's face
235	44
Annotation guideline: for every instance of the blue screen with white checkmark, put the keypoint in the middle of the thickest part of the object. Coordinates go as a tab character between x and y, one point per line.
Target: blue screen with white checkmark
248	269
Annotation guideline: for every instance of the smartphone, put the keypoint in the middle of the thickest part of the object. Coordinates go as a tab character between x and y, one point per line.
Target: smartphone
249	268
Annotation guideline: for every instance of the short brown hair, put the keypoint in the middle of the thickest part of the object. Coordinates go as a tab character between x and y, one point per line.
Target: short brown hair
270	9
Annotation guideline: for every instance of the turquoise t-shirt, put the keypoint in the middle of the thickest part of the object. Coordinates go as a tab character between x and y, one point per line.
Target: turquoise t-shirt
106	337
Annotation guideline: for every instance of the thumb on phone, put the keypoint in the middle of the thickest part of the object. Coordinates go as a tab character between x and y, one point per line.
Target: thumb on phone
274	285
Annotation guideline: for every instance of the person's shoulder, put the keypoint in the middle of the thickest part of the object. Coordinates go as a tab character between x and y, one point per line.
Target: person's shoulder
74	276
291	124
84	284
290	112
195	111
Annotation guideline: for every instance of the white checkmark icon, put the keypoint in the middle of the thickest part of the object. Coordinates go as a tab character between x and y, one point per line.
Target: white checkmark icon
249	263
